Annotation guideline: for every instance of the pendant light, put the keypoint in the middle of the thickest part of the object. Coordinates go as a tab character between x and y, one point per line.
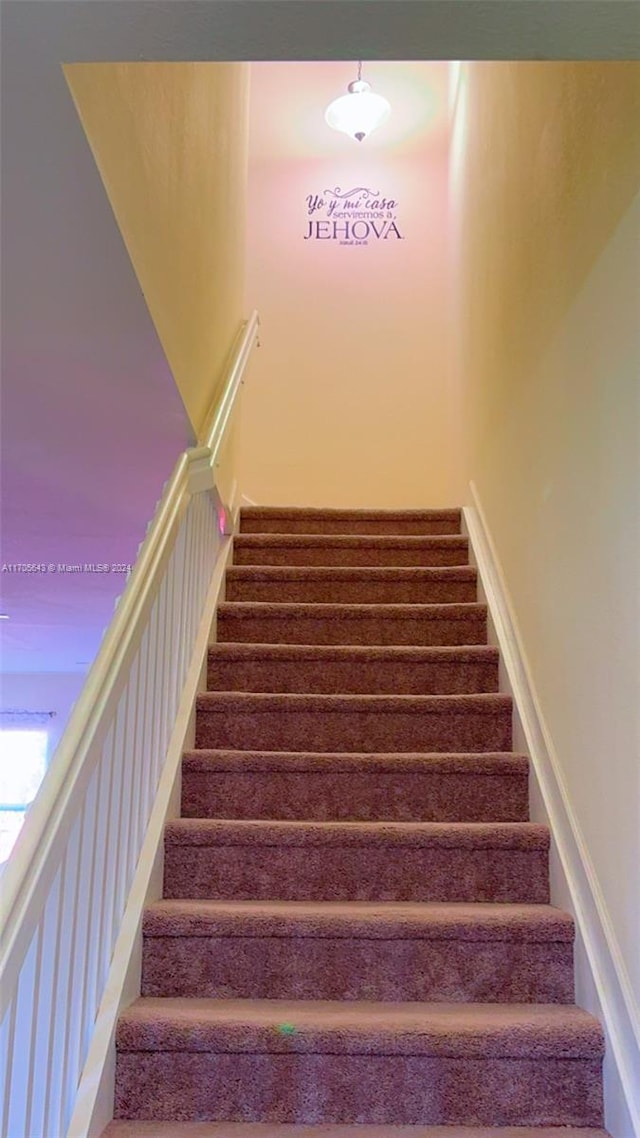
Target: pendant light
359	112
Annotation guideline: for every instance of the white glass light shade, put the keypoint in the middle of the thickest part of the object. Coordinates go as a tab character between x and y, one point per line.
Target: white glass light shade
357	113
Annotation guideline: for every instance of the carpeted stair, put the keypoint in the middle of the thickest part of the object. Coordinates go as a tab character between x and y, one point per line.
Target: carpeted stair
355	939
264	1130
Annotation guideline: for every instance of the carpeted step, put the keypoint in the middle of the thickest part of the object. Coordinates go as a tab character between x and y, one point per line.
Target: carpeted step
355	787
356	861
317	584
353	669
305	549
379	625
358	951
308	1062
356	939
241	721
266	1130
290	519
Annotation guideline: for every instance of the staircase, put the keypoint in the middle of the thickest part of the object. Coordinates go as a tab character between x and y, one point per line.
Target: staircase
355	938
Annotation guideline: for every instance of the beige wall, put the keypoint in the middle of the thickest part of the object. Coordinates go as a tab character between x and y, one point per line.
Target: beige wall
349	402
551	163
546	173
169	140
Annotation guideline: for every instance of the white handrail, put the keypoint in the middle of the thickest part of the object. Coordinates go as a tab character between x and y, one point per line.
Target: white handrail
65	886
217	427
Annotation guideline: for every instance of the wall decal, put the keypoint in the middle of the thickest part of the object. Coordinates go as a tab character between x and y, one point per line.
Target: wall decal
352	217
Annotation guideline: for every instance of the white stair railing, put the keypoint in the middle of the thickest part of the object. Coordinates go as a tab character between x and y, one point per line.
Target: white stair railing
65	888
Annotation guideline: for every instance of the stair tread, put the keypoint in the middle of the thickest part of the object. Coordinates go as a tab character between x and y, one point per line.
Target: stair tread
341	669
358	652
459	610
491	703
288	721
345	540
347	513
360	1027
411	573
472	763
373	920
122	1129
454	835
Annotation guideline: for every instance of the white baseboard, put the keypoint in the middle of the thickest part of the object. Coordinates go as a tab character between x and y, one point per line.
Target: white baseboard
602	982
94	1101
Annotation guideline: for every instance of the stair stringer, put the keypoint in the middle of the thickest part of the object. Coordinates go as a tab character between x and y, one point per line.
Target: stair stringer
602	983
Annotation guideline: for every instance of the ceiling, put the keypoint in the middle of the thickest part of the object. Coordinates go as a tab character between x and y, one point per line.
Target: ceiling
289	100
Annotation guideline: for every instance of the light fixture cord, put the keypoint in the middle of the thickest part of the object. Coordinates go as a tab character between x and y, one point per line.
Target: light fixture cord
359	70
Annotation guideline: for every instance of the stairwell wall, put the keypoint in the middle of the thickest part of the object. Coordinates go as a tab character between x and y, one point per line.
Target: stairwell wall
349	398
546	174
170	141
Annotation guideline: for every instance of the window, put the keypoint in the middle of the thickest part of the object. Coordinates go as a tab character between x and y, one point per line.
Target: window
23	761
